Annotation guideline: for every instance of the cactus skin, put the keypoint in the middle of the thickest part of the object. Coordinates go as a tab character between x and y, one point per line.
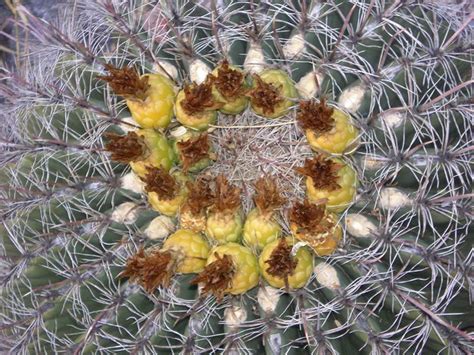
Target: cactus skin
400	280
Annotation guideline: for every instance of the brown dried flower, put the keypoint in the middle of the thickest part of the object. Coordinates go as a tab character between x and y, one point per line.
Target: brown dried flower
227	198
217	276
323	172
198	98
229	82
281	263
150	269
265	95
126	149
126	82
158	180
193	150
267	196
309	217
316	117
200	196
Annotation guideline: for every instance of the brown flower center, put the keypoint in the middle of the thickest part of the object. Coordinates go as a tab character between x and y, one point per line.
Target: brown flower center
322	171
151	268
198	98
281	263
200	196
227	198
126	82
228	81
193	150
126	149
316	117
158	180
309	217
265	95
216	277
267	196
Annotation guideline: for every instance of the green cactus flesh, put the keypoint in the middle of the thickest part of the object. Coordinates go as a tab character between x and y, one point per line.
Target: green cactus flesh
398	277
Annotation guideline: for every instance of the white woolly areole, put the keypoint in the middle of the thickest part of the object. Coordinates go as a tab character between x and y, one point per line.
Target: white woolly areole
165	68
255	60
132	182
392	198
273	341
308	86
327	276
234	316
268	297
351	98
178	132
126	213
294	47
359	226
393	120
198	71
128	127
372	163
160	227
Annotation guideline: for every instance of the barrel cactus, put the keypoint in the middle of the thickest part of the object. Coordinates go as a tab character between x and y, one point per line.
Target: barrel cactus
345	127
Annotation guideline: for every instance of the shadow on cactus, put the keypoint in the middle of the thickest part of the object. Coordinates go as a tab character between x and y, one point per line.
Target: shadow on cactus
241	177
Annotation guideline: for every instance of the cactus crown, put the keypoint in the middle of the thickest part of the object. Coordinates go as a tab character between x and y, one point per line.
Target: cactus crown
383	86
